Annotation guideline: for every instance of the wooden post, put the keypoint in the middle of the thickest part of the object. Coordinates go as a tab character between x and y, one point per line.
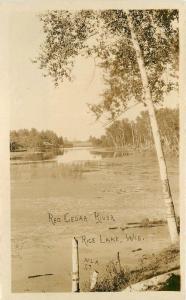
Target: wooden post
94	280
119	263
75	266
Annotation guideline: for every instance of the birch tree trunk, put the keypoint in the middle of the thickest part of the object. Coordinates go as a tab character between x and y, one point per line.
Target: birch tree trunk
75	266
132	131
170	211
113	140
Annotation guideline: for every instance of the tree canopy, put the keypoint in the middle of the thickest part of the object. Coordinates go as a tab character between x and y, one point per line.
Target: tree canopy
106	36
31	139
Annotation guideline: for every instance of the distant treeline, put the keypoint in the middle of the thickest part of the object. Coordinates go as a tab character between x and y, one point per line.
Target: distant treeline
25	139
137	134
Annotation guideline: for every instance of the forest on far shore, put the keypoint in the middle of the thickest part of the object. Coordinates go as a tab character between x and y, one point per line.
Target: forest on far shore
121	134
137	134
25	139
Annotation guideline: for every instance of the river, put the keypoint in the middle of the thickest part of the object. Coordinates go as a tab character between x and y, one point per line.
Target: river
91	194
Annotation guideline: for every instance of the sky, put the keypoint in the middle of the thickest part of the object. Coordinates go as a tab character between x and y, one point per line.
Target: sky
36	103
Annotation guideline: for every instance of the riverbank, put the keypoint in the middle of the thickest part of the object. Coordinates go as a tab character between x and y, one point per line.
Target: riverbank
94	154
149	266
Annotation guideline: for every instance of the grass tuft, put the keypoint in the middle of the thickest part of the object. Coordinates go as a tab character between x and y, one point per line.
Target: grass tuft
117	279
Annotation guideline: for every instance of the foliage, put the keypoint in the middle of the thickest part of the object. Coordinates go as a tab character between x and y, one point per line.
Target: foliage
156	33
32	139
105	34
137	134
116	279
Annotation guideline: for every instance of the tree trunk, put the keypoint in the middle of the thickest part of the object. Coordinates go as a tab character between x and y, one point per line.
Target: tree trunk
75	266
132	131
112	138
170	212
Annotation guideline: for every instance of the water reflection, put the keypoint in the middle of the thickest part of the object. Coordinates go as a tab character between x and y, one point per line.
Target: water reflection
68	155
72	155
75	155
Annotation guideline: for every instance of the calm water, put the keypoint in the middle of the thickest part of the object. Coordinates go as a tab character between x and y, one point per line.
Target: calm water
77	155
83	181
68	155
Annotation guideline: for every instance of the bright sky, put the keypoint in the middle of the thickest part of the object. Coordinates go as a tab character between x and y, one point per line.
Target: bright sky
35	102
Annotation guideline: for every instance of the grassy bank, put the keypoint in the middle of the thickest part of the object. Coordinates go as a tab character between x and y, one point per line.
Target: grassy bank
117	277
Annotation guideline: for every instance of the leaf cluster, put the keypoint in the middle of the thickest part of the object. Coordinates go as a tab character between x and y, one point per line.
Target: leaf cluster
105	34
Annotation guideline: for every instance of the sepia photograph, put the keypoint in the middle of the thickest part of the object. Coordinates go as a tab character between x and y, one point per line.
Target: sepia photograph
94	150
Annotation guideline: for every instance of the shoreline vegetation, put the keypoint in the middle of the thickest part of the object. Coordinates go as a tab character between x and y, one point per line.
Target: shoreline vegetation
118	278
137	135
26	157
122	136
